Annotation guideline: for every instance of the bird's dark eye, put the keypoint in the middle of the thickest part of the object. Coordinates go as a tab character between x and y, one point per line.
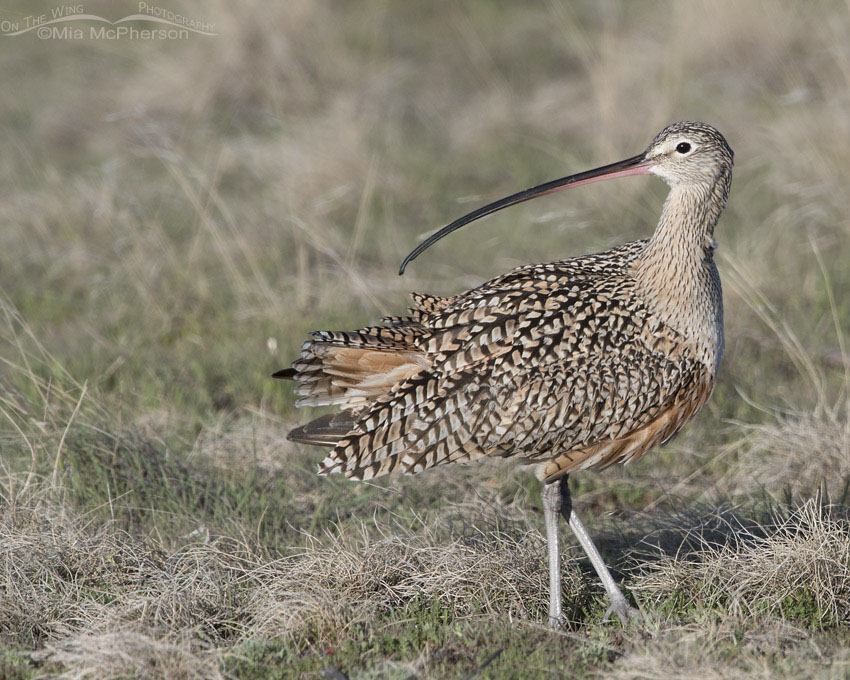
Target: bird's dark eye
683	147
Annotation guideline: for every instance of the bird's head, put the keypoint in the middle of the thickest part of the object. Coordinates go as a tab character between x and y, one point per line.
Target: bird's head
682	154
688	153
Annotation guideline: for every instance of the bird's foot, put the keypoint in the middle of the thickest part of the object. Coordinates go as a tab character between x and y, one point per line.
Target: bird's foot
624	611
555	622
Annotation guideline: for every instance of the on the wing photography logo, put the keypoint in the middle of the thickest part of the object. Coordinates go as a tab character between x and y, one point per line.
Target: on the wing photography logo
72	22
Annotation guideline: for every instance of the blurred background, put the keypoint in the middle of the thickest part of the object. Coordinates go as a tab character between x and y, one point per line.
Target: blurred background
176	214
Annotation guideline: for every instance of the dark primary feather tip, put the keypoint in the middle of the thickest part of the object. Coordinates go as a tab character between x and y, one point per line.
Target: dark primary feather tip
325	430
285	374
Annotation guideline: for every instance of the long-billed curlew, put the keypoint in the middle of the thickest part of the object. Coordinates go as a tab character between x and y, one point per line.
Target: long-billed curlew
571	365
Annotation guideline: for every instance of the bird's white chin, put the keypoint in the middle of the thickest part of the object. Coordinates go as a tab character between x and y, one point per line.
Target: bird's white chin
665	174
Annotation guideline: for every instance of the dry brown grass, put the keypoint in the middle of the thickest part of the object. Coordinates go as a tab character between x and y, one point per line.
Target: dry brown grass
131	654
798	568
64	575
797	454
768	650
102	603
346	580
106	604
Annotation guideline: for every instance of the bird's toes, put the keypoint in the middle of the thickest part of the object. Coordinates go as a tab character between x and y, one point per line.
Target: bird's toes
627	614
555	622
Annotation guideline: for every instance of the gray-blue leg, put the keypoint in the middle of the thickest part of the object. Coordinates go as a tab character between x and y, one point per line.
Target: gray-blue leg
552	501
556	499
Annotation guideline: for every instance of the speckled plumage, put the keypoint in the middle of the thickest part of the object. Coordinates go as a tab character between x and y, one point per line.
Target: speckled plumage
575	364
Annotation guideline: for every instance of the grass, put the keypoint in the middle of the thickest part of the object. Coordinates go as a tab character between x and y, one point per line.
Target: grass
178	214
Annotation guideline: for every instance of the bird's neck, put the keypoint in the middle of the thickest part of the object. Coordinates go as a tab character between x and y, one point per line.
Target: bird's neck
676	273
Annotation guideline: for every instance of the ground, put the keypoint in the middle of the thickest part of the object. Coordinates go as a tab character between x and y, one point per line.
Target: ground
178	213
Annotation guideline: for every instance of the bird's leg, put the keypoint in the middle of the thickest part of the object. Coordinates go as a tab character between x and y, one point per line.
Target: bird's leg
551	497
619	605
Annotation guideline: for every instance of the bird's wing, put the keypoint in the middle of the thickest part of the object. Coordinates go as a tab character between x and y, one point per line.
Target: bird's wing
560	365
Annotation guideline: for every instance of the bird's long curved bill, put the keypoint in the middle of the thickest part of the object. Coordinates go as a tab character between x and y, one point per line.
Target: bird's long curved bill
636	165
